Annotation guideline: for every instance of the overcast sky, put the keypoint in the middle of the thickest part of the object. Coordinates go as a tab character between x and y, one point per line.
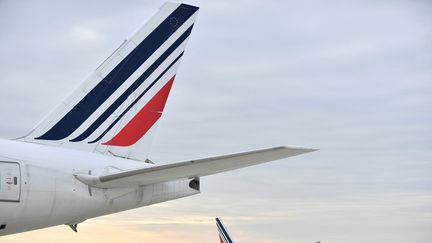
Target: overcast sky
352	78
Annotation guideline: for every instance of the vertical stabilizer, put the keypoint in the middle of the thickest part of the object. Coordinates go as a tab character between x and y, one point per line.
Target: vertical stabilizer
116	109
224	235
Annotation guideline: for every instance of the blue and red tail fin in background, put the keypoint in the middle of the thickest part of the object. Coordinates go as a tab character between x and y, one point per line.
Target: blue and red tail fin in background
224	235
116	109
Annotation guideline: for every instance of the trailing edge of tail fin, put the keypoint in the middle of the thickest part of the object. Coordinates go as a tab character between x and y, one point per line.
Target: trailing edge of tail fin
115	110
224	235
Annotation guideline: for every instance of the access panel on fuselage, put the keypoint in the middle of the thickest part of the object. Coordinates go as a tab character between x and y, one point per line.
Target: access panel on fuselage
10	182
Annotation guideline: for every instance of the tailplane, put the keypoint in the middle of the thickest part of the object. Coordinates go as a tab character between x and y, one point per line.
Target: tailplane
116	109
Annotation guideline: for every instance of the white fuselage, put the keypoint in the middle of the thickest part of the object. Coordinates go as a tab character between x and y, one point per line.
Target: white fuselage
43	191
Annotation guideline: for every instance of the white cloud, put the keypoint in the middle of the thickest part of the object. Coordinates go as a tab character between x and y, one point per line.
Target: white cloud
85	35
352	78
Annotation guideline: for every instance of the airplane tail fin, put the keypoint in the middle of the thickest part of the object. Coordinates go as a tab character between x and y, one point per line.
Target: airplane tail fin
224	235
115	110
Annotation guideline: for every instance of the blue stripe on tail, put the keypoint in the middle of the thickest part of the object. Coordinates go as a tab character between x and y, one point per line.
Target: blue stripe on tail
223	231
135	101
104	89
123	97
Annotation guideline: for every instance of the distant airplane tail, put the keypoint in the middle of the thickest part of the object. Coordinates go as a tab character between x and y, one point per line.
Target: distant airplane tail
224	235
120	103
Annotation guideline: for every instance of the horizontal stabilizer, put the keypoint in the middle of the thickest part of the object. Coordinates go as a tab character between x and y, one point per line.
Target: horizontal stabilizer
189	169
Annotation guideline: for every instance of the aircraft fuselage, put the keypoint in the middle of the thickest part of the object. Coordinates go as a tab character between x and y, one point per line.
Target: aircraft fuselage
38	188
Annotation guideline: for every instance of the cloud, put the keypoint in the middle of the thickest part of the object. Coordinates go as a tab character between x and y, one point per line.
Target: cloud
86	35
351	78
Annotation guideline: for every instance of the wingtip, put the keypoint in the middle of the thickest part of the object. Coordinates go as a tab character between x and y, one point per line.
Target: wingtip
308	150
299	150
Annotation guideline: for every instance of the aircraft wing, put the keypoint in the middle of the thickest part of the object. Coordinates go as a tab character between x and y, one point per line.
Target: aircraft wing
189	169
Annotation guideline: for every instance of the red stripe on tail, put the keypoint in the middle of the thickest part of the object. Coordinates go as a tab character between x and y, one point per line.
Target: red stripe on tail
221	239
143	120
